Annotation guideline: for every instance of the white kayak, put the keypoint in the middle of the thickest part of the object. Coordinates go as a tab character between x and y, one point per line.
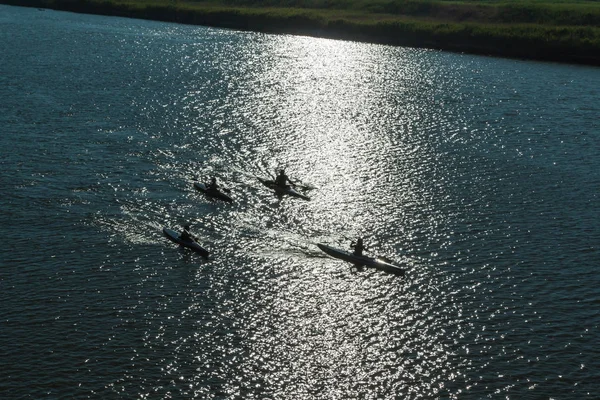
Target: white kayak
376	262
190	244
285	190
215	193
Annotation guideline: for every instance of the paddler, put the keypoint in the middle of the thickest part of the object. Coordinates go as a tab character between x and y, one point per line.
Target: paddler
282	179
358	247
185	233
213	184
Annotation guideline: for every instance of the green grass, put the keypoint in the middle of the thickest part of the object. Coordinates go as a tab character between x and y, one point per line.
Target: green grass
554	12
557	30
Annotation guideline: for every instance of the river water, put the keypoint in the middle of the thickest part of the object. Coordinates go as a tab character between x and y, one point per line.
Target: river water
479	176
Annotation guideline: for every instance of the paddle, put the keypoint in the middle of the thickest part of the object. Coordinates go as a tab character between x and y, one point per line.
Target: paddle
265	181
296	185
366	249
304	186
353	241
190	237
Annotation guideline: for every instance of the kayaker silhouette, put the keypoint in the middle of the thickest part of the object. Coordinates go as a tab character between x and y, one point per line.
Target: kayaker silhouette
358	247
213	184
185	233
282	179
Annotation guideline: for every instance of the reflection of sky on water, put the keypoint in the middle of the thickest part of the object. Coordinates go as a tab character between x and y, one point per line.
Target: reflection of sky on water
363	125
335	117
452	165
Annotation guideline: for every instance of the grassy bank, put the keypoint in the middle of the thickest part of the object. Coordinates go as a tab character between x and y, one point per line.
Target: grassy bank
550	30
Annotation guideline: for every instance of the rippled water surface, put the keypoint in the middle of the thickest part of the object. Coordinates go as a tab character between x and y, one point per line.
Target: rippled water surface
479	176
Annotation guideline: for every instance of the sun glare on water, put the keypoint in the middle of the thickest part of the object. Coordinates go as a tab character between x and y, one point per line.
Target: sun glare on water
332	114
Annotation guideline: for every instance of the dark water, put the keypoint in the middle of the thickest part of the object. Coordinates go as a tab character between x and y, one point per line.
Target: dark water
480	176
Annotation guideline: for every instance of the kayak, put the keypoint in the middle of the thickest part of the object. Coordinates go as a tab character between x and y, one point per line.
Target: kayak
215	193
190	244
376	262
286	190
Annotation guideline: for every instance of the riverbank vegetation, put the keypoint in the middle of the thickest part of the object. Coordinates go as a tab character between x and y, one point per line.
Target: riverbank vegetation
551	30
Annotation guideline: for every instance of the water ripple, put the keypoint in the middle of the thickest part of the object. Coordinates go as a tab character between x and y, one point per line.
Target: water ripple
479	176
